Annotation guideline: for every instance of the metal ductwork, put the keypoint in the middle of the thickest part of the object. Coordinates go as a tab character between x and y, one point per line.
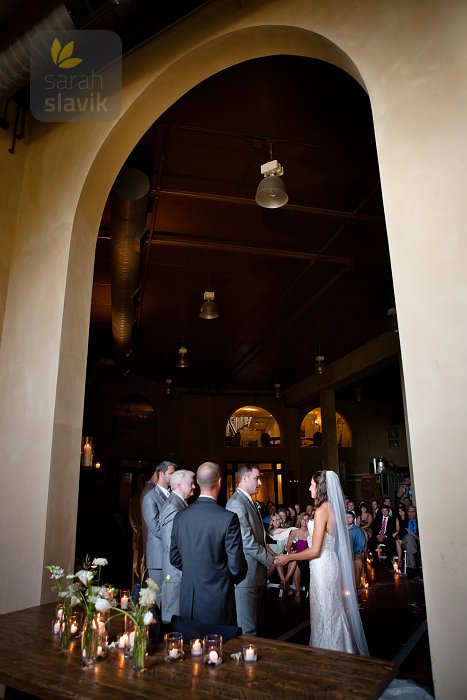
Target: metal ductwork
128	207
70	14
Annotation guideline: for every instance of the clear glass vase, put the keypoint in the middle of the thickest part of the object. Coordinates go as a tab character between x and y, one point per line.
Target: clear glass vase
89	641
139	648
65	634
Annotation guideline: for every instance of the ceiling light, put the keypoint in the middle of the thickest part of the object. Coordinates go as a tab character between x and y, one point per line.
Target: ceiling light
320	367
168	387
182	360
271	192
208	307
277	391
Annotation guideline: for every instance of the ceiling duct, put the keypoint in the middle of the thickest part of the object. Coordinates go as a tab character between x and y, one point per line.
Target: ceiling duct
70	14
128	206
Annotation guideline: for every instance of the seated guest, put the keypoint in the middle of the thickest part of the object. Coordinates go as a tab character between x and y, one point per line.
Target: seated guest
411	541
278	535
358	544
351	507
364	521
388	502
374	508
406	502
297	542
291	517
401	532
283	516
270	509
384	526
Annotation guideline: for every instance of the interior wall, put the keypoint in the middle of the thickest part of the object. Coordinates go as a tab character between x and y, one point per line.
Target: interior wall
412	59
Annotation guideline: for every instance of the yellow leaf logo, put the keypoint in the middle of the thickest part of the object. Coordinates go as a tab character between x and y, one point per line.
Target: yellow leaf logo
63	56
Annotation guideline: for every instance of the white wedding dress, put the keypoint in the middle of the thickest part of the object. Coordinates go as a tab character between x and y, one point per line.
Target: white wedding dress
329	624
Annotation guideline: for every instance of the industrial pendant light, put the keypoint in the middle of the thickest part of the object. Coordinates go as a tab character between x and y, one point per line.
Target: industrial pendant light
182	360
271	192
320	367
208	307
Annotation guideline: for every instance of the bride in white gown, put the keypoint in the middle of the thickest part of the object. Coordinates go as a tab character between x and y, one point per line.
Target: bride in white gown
334	616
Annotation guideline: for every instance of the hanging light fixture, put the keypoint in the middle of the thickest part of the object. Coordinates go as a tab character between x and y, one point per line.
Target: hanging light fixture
168	387
271	192
277	390
320	367
182	360
208	307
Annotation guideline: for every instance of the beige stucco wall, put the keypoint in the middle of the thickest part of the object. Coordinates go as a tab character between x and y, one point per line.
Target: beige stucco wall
411	57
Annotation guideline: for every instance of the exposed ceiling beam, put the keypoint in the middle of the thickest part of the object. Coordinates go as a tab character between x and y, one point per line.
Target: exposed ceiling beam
177	240
364	360
224	199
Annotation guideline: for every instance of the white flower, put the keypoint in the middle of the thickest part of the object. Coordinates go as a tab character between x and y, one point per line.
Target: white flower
147	597
99	561
56	572
152	584
102	605
85	576
148	618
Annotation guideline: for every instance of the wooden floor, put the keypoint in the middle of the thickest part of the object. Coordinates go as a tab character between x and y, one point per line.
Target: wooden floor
393	614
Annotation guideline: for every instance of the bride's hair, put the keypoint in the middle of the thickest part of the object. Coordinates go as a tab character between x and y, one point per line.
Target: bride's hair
321	488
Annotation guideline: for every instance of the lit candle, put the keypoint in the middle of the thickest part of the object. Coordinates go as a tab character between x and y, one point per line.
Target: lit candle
250	653
99	651
60	613
174	653
131	639
124	602
196	648
123	641
73	628
213	656
97	465
57	627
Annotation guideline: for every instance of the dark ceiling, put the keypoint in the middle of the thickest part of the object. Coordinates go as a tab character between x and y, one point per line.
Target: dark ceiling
313	276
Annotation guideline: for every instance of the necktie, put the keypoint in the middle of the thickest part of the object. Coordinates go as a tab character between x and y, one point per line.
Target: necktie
383	527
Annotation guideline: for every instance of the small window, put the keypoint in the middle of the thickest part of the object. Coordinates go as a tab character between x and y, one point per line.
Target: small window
252	426
311	430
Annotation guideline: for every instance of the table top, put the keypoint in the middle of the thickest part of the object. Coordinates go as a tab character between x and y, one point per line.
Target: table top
30	661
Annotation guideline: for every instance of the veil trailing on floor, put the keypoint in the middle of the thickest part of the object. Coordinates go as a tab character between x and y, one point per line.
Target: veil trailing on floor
344	553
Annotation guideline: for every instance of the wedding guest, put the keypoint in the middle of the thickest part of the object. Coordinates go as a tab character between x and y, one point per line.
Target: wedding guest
365	521
153	496
278	536
206	546
297	542
249	591
182	486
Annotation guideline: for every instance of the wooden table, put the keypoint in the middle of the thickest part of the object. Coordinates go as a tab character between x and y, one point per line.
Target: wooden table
30	661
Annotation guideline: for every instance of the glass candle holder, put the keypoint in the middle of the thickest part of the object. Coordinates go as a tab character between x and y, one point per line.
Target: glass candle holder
124	599
250	653
196	647
212	649
75	626
173	646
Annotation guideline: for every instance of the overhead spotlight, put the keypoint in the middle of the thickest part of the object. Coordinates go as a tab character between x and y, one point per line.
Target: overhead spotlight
168	387
392	324
271	192
182	360
277	391
208	307
320	367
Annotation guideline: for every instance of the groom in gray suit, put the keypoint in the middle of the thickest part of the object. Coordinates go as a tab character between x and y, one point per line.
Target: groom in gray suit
153	496
206	546
182	486
248	592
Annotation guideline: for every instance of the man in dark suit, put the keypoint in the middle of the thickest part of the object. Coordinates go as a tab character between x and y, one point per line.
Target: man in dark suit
153	496
206	545
248	592
383	528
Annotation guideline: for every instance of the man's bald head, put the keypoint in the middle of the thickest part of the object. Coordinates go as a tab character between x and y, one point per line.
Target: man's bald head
208	476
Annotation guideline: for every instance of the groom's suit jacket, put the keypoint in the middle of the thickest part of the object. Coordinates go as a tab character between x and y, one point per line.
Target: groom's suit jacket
152	500
253	537
170	599
206	545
